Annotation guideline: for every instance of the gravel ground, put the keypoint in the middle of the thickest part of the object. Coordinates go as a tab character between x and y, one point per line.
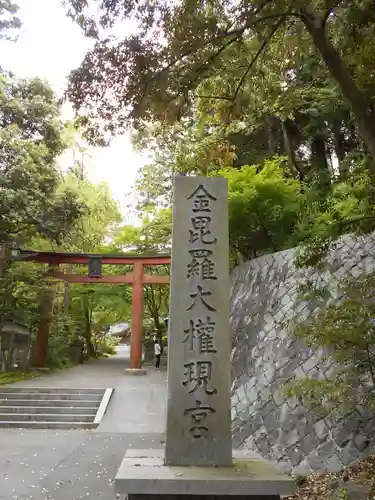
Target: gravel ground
64	465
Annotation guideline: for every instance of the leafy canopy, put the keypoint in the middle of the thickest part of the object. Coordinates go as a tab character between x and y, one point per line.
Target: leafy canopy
153	73
264	208
30	142
8	19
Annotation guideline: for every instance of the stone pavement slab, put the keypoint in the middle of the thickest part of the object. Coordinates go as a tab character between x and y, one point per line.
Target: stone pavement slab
138	406
96	373
66	465
73	465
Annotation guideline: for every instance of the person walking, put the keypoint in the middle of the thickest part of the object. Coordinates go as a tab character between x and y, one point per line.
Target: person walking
157	350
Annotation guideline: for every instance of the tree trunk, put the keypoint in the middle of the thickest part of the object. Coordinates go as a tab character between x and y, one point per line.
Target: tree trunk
67	291
87	328
5	283
345	81
272	124
319	162
47	301
292	162
339	145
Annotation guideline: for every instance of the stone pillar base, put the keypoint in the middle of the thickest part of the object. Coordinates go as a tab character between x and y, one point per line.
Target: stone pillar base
201	497
143	476
135	371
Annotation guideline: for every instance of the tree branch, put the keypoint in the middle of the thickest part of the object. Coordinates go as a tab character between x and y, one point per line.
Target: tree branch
218	97
254	60
236	33
212	57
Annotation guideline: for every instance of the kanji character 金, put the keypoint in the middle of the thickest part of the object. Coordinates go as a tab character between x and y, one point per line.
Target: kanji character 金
201	199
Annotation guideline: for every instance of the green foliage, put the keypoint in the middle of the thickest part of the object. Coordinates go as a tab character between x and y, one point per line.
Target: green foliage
302	46
45	210
107	346
310	291
62	335
343	494
346	332
244	83
348	209
30	141
152	236
264	208
99	217
95	308
8	19
154	187
12	377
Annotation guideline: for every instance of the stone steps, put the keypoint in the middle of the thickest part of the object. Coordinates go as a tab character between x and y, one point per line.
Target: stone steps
51	408
61	403
52	395
45	417
47	390
7	424
60	410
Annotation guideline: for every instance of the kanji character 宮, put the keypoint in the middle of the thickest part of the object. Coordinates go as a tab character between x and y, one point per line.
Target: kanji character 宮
199	415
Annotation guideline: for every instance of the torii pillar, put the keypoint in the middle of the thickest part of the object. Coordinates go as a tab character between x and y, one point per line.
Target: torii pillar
137	315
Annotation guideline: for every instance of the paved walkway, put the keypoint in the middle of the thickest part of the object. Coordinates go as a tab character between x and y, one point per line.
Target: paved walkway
73	465
138	404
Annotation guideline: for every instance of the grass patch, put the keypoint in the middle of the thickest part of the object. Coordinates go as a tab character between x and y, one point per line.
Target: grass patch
12	377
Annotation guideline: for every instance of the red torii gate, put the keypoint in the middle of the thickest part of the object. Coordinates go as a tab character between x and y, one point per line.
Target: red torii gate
137	279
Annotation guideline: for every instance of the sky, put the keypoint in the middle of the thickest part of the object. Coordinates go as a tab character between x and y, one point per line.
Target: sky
49	46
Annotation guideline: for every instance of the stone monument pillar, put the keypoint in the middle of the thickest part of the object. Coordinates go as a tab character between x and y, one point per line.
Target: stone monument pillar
197	462
198	415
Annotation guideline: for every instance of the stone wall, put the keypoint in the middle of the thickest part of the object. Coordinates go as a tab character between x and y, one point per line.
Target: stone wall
265	292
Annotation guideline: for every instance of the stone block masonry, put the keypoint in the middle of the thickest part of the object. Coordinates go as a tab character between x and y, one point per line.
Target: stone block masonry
265	293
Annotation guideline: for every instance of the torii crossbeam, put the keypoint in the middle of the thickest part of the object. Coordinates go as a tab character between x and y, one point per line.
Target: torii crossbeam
137	279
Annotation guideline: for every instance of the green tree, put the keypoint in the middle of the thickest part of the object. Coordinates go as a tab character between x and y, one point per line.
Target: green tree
88	235
152	236
30	141
95	308
162	74
99	219
8	19
264	208
33	202
346	332
349	208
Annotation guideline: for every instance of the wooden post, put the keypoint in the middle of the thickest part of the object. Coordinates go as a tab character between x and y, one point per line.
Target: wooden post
47	300
137	313
67	291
